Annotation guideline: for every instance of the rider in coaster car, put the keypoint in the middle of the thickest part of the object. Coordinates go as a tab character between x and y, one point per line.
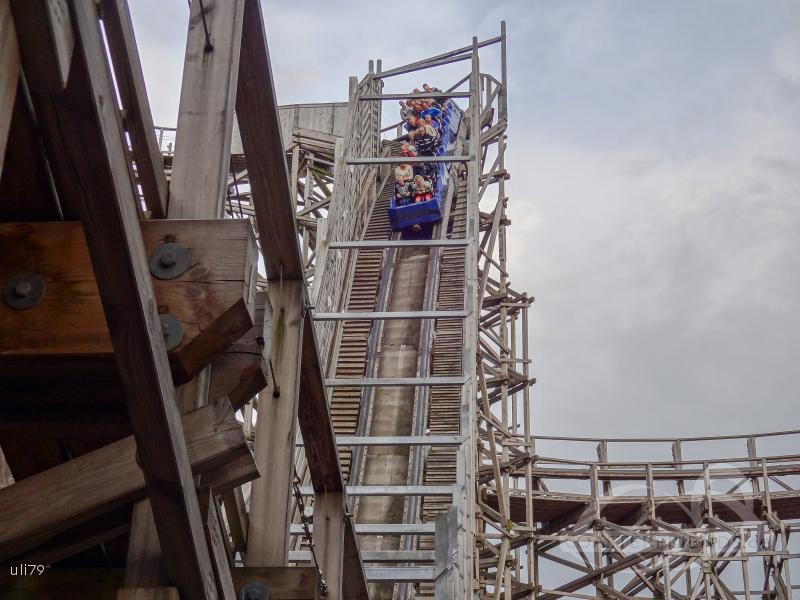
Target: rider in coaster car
405	111
403	173
434	90
408	149
423	189
425	139
403	192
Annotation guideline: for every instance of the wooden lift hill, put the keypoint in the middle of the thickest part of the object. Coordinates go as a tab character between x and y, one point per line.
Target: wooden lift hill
133	324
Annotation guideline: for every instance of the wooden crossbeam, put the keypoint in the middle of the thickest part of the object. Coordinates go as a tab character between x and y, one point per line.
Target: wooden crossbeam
610	569
108	478
213	300
241	371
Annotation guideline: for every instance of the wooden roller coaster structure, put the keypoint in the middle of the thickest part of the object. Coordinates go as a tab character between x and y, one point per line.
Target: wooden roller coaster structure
354	421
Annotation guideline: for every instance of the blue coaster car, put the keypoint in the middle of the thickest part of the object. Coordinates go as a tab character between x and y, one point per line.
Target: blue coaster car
416	213
429	211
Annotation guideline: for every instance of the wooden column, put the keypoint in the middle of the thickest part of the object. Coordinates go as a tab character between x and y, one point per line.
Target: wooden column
329	539
202	153
205	117
270	514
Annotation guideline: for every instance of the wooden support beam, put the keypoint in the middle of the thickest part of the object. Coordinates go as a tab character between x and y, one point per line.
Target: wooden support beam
217	545
270	514
105	479
260	128
9	73
205	117
103	196
241	371
138	119
236	513
76	540
144	566
329	525
49	41
213	300
354	574
314	418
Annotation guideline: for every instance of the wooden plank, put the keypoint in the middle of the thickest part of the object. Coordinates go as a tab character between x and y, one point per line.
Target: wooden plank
230	475
9	73
78	539
213	300
315	419
354	574
137	116
270	515
106	479
284	583
205	118
217	545
48	45
144	565
329	532
236	513
259	124
241	371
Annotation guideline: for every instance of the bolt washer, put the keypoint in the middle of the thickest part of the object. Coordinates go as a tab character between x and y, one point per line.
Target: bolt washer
254	591
24	291
169	261
172	330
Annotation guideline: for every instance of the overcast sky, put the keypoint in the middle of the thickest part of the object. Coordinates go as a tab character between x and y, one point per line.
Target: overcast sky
655	191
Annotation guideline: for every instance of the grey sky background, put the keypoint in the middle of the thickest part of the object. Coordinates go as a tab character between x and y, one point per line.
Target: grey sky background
655	191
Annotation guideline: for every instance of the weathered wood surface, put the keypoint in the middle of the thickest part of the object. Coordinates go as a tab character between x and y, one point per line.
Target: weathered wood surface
106	479
9	73
205	116
260	127
49	42
241	371
138	119
270	509
213	300
141	593
284	583
329	525
314	418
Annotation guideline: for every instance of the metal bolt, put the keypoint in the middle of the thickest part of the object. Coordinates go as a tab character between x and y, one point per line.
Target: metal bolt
23	288
168	259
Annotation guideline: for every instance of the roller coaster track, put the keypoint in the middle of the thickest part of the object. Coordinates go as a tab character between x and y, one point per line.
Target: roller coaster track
454	497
